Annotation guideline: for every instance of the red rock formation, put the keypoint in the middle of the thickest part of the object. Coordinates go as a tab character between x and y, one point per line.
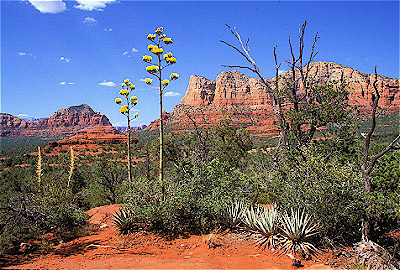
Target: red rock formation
156	123
66	122
94	140
246	101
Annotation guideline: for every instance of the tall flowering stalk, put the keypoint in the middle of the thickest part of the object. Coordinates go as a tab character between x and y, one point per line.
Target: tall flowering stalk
71	165
39	167
127	87
160	40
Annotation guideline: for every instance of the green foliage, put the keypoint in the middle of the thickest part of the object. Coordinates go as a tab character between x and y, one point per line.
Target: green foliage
193	203
106	186
329	190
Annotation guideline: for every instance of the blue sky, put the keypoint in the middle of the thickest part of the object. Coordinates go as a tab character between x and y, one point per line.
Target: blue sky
71	52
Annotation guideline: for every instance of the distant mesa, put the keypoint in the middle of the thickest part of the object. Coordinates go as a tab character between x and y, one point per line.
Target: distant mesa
93	142
124	129
63	123
248	105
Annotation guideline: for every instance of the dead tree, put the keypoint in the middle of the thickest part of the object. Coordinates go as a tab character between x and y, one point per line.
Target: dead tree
369	161
299	78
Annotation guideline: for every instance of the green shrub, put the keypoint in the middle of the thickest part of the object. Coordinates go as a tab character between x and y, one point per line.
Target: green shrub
328	190
192	203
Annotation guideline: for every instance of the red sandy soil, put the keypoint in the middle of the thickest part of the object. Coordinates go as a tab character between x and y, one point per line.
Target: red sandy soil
104	249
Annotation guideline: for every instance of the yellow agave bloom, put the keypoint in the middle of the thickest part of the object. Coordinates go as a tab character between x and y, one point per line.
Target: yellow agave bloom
174	76
167	40
150	47
126	81
136	115
132	86
134	102
157	50
165	82
167	55
151	37
123	85
124	92
147	58
118	100
152	69
159	30
148	80
123	109
171	60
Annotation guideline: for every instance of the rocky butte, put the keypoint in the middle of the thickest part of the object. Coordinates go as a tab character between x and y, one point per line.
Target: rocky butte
63	123
248	104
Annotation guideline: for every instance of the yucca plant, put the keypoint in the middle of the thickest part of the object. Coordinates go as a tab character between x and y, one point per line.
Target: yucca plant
263	222
296	230
233	215
125	221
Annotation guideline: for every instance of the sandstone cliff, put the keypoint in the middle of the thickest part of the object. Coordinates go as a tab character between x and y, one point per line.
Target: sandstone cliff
247	103
66	122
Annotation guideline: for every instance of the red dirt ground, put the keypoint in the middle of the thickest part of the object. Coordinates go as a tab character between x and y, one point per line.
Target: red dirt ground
104	249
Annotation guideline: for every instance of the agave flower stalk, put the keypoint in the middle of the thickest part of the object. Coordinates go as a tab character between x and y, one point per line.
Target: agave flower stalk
39	167
127	87
160	40
71	164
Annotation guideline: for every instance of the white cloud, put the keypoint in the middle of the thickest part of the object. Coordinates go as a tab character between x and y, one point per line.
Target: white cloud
91	5
53	6
125	53
90	21
25	54
65	83
65	60
119	124
108	29
281	71
134	50
110	83
22	115
171	94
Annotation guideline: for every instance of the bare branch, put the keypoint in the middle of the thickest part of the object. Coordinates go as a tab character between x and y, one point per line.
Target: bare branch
239	51
243	67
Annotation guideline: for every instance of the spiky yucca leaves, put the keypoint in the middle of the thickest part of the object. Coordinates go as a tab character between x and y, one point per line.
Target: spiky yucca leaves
125	221
263	222
233	215
296	229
